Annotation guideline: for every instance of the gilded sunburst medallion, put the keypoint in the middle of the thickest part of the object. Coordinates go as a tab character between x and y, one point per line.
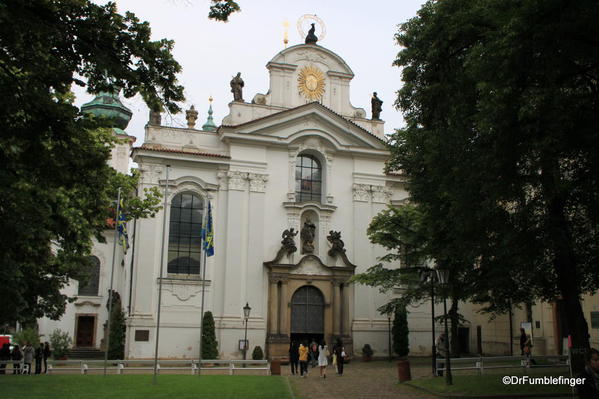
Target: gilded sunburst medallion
311	82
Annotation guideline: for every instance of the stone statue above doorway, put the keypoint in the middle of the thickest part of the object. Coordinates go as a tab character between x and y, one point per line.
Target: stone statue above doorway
307	235
289	241
337	243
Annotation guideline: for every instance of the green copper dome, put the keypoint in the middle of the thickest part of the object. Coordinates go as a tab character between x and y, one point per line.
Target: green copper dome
108	105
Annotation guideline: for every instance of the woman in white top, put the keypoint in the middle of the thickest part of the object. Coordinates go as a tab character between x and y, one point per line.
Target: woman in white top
323	361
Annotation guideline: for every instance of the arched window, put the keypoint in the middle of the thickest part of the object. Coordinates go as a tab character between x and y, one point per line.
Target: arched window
184	242
91	288
308	179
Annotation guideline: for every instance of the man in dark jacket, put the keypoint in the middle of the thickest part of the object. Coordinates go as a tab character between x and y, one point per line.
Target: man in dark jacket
39	355
590	387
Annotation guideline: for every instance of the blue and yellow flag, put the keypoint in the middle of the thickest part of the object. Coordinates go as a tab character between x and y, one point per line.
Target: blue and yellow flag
208	233
122	229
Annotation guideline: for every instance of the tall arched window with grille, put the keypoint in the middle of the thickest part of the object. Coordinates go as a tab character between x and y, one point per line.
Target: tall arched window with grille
91	288
308	178
184	238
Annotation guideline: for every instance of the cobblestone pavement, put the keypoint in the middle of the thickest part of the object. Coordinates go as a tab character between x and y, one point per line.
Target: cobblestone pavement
376	379
372	380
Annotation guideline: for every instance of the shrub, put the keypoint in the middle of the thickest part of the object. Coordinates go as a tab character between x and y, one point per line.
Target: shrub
116	348
257	354
400	331
60	342
367	351
209	343
27	335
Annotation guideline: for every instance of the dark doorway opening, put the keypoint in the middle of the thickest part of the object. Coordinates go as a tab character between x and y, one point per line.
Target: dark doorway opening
85	331
307	315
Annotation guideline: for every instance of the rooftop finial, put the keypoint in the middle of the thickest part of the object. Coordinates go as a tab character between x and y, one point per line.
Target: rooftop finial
209	126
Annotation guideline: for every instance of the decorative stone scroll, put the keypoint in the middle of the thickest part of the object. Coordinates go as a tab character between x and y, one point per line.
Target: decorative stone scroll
257	182
374	193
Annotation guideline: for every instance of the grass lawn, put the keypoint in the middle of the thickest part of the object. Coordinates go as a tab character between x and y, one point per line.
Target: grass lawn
489	384
140	386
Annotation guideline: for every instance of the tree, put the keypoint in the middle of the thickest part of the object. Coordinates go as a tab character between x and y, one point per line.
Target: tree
116	349
56	190
220	10
209	343
505	171
400	332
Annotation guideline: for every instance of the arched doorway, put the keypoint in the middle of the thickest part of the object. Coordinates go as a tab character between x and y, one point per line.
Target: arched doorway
307	314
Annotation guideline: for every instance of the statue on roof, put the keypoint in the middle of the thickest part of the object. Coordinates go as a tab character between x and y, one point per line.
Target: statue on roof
377	106
237	87
311	38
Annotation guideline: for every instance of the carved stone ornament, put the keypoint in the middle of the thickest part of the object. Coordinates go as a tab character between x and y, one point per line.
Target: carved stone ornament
381	194
311	83
257	182
237	180
361	192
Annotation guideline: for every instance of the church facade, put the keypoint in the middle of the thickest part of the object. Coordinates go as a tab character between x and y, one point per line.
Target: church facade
293	178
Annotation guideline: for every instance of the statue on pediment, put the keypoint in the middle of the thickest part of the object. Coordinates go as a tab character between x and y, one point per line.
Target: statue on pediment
237	87
337	243
288	243
377	106
311	37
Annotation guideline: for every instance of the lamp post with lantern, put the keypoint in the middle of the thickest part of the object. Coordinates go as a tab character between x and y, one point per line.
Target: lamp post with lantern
246	316
443	276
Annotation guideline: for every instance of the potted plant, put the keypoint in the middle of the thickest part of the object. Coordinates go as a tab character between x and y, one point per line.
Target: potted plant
60	342
401	343
367	353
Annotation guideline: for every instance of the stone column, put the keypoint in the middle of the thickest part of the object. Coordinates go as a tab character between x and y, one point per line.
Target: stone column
336	308
283	325
273	308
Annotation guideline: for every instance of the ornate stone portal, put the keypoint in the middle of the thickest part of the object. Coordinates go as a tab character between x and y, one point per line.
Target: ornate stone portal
307	299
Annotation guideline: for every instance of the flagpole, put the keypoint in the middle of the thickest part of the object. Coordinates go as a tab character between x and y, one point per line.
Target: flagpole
160	277
116	232
205	227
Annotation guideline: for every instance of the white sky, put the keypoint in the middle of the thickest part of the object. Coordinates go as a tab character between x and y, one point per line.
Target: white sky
211	53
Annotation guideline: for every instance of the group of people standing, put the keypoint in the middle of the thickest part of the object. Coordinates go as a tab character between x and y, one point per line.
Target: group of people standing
27	356
300	354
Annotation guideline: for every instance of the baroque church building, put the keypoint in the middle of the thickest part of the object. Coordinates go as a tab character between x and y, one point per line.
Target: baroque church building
294	178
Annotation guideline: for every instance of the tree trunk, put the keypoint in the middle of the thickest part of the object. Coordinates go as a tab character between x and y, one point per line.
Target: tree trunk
455	323
557	228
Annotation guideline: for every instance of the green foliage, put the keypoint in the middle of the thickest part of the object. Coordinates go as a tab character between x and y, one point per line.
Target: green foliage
220	10
60	342
400	332
116	349
257	354
505	171
56	189
209	343
367	351
27	335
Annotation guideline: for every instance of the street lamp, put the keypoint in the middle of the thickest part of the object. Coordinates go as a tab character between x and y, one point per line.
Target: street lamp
428	273
443	276
246	316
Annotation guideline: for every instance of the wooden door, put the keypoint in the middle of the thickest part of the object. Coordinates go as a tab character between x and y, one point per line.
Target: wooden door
85	331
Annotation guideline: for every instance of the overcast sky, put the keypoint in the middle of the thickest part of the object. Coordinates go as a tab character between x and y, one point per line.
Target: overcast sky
211	53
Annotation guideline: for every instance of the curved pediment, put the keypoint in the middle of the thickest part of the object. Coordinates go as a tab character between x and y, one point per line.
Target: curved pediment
311	54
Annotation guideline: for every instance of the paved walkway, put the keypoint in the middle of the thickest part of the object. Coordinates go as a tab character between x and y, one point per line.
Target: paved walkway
372	380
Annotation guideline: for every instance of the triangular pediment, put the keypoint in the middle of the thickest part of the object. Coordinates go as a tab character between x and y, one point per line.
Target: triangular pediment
312	119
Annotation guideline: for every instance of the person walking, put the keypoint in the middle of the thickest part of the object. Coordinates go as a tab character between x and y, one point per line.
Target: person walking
303	360
28	355
39	355
47	353
16	357
522	341
323	359
441	353
294	357
313	353
339	355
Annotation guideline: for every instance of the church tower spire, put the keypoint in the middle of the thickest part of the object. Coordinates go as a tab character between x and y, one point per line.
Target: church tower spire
209	126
